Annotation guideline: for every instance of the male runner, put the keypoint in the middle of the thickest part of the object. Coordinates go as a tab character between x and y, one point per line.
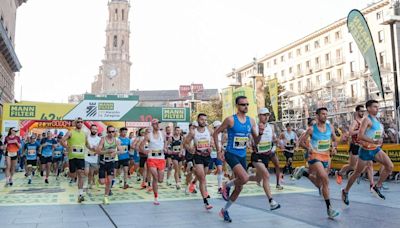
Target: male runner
143	159
321	146
176	154
46	150
75	141
239	128
291	140
168	155
92	158
31	151
190	181
58	155
263	152
108	148
370	138
201	151
354	147
123	156
156	159
214	158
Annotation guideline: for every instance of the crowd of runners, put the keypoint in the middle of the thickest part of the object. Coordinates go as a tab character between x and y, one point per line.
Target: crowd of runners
186	158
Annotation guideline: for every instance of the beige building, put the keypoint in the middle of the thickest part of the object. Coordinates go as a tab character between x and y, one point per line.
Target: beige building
9	63
114	73
325	68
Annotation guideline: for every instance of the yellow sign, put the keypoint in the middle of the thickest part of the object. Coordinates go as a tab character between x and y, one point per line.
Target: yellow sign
273	95
35	111
249	93
227	102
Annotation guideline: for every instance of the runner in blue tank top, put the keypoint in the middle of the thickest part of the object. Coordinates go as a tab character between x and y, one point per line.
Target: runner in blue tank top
239	126
370	138
123	156
322	145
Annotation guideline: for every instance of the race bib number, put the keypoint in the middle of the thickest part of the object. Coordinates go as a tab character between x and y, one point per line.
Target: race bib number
324	145
31	152
124	148
240	142
12	154
203	144
57	153
264	147
176	148
213	154
378	135
77	149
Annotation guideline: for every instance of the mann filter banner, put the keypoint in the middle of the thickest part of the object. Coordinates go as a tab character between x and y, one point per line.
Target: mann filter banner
249	93
358	27
273	95
227	104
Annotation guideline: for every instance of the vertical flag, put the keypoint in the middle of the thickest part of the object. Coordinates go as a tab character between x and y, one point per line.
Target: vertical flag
249	93
227	102
273	95
358	27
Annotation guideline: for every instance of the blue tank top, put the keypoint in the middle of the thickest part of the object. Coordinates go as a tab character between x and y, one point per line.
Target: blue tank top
376	130
47	149
58	151
125	144
31	151
238	136
321	141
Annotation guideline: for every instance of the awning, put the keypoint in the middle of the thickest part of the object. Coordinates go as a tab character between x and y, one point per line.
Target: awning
7	49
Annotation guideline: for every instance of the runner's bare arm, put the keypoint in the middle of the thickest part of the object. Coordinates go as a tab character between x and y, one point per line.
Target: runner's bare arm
143	143
365	123
228	122
120	150
187	142
99	149
352	130
65	138
256	133
304	137
334	142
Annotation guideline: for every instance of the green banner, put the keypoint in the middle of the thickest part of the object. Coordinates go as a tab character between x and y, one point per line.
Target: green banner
358	27
146	114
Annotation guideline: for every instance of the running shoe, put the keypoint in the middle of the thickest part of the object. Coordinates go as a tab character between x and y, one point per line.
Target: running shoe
279	187
339	178
178	187
274	205
208	207
11	183
377	193
143	185
126	186
46	181
81	199
169	182
156	202
110	193
345	197
298	172
224	214
384	186
225	192
192	187
219	190
106	201
30	181
332	213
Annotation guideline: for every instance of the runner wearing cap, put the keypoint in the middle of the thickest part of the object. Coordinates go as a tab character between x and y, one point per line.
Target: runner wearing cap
155	153
239	126
201	151
263	152
75	142
12	143
214	158
31	149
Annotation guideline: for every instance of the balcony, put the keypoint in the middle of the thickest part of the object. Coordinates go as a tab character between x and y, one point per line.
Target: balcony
317	68
309	71
299	73
309	88
340	61
328	64
355	75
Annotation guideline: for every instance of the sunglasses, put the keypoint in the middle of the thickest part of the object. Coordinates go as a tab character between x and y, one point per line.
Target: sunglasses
78	122
244	104
110	131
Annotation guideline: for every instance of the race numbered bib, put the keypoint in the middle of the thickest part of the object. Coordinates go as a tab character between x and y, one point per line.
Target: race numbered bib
124	148
324	145
12	154
264	147
378	135
31	152
213	154
240	142
57	153
77	149
203	144
176	149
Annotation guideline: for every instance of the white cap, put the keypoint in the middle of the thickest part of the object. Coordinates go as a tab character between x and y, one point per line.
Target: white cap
263	111
217	123
194	123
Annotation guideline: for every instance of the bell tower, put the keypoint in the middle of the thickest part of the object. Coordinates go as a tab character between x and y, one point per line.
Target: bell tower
114	74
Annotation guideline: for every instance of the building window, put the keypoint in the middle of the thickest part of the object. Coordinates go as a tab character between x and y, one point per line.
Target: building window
308	83
260	68
283	73
327	58
351	47
338	35
338	54
353	90
299	86
290	55
318	80
291	86
298	52
275	61
316	44
282	58
326	40
290	70
267	64
382	58
116	15
308	64
378	15
328	76
123	14
339	74
299	68
317	61
380	36
307	48
352	66
115	42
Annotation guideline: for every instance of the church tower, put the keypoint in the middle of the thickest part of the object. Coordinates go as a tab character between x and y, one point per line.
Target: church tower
114	74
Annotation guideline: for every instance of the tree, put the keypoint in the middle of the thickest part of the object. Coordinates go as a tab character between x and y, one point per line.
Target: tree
268	101
213	109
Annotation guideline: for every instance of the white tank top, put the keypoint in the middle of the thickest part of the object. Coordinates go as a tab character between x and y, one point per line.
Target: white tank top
265	144
202	140
93	143
156	146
